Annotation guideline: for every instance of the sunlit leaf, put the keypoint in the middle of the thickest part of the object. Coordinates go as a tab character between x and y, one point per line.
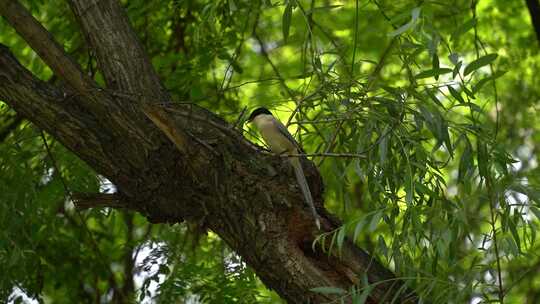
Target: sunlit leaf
478	86
478	63
287	15
435	72
415	13
455	94
375	221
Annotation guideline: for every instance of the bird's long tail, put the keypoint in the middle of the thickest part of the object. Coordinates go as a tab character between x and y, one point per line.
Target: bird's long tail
301	179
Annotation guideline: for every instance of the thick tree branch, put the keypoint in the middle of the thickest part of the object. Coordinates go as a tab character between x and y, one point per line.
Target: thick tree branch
46	105
102	137
534	11
237	193
120	55
247	198
44	44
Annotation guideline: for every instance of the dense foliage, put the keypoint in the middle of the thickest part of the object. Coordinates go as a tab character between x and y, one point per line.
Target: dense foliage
421	116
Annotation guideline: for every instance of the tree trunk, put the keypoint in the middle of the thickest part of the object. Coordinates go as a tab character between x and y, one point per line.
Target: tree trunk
174	162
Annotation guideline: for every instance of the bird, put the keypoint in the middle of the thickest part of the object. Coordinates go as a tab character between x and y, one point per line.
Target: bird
280	141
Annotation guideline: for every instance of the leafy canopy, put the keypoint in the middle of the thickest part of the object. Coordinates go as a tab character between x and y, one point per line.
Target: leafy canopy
429	108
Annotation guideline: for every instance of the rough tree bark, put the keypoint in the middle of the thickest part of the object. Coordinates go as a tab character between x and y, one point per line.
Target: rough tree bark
534	11
173	162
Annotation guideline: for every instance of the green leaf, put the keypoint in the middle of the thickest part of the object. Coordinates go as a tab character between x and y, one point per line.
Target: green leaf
478	63
446	137
435	61
382	246
383	145
433	73
462	29
510	245
415	13
341	237
401	17
396	92
422	189
468	92
399	292
329	290
434	98
364	295
375	221
483	81
332	242
287	14
455	72
465	162
409	188
435	64
402	29
358	228
532	228
482	158
536	211
455	94
513	229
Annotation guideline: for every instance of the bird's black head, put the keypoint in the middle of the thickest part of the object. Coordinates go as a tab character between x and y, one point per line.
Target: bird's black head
258	111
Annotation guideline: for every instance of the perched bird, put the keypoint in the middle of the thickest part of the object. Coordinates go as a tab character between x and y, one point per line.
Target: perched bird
280	141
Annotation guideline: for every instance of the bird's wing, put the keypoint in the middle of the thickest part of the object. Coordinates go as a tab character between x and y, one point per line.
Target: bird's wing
283	130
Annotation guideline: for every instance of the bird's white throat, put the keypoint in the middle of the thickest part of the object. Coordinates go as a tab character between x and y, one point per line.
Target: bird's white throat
262	121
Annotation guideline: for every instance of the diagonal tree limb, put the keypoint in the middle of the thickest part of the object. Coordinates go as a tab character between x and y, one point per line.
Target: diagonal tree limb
120	54
88	109
236	192
114	144
42	103
53	54
45	46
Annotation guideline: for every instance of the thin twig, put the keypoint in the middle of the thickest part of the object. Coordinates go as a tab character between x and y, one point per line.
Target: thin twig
93	200
68	193
487	178
344	155
229	71
274	68
372	78
239	119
